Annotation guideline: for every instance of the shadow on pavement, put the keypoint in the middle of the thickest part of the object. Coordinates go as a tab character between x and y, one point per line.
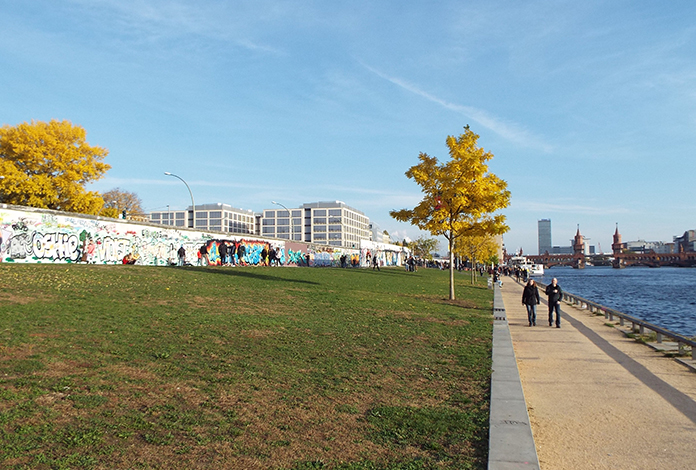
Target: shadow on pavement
677	399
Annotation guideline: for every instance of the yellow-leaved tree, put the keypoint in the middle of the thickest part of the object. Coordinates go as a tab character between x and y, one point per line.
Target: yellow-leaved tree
47	164
477	248
460	196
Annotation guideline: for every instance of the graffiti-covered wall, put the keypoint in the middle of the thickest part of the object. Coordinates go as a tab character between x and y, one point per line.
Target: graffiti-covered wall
386	254
42	236
30	235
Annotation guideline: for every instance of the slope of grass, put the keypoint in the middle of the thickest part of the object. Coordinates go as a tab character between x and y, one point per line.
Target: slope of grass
284	368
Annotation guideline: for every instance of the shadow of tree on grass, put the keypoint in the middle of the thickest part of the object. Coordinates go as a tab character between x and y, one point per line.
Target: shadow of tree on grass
250	274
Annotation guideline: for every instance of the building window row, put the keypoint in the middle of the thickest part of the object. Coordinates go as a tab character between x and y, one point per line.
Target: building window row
214	220
344	227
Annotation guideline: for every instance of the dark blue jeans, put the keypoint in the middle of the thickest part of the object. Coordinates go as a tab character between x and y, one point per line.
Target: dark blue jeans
557	307
531	313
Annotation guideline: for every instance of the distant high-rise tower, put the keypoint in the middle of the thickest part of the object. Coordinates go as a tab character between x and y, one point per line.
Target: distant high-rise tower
545	236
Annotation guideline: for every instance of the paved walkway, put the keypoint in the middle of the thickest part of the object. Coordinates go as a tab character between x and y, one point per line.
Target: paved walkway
599	400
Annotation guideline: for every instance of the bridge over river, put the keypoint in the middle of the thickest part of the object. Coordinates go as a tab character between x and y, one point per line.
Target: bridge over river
620	258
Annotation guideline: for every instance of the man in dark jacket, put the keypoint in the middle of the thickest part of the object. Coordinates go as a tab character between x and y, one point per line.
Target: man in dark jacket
241	252
222	251
205	260
530	299
182	255
555	294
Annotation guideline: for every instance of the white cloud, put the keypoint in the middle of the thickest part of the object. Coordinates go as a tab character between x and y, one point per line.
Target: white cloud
509	131
400	235
543	207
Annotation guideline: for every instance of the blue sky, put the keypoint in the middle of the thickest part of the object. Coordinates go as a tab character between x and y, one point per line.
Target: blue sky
589	107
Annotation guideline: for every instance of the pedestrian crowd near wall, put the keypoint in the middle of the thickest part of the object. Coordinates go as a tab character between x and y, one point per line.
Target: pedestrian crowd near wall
29	235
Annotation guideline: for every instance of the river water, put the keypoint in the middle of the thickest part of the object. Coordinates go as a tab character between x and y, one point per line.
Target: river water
663	296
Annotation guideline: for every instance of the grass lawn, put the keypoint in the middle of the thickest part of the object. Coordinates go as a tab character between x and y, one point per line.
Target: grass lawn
134	367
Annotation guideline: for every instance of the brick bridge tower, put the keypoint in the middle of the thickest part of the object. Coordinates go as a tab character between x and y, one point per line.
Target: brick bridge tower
616	246
579	250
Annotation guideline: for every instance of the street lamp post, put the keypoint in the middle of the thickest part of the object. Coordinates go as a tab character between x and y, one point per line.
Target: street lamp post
292	234
193	204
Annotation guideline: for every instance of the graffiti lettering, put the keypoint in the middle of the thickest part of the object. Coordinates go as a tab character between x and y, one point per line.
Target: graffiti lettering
20	246
296	257
48	219
152	234
56	246
112	251
20	226
253	251
322	259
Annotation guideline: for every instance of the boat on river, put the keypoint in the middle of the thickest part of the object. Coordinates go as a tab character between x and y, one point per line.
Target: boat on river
523	264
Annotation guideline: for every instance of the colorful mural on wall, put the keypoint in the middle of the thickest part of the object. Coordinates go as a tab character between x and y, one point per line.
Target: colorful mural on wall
243	252
42	236
38	236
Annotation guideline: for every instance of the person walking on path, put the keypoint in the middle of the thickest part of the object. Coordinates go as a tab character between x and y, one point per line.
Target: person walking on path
530	299
555	294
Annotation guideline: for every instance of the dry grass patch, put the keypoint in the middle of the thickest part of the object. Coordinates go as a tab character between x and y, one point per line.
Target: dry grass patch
17	352
31	297
314	428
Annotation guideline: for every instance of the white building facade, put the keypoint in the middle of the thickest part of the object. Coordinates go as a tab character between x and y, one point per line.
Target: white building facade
282	223
379	235
331	223
216	217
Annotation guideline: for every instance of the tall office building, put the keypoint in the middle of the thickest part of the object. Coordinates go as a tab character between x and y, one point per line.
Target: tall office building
544	233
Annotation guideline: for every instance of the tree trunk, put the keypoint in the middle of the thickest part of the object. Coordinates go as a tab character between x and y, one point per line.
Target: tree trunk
472	261
451	267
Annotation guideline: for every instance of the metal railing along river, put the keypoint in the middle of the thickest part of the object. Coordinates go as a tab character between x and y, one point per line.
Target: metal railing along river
637	325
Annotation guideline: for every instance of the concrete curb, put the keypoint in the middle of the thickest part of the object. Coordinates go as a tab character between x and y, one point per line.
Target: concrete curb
511	443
